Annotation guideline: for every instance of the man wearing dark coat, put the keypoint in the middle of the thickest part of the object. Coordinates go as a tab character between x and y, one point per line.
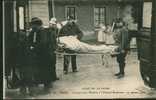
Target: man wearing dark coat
69	29
122	39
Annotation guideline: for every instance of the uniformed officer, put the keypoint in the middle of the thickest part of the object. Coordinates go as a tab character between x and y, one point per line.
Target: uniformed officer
123	41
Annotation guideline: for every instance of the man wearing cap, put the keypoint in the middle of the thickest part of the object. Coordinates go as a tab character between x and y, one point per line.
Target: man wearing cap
69	29
123	41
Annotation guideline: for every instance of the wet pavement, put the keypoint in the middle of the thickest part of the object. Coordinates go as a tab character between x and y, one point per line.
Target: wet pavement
94	80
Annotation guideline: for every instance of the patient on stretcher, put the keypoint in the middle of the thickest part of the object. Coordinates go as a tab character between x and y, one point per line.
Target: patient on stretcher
72	43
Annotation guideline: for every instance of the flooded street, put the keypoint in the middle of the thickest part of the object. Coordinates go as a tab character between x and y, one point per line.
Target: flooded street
95	81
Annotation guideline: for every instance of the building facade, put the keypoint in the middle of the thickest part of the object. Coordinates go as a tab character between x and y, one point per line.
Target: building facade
88	13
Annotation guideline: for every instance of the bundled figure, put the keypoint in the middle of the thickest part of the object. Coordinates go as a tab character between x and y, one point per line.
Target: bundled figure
70	29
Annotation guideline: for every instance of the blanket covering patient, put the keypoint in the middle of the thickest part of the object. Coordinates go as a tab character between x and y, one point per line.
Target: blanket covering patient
72	43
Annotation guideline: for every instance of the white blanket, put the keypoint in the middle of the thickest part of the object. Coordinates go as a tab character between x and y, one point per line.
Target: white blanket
72	43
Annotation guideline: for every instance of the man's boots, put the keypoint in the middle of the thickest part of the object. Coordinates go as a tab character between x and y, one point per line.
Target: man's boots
121	73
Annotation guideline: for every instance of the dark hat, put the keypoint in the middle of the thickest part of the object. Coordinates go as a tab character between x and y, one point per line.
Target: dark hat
119	19
36	21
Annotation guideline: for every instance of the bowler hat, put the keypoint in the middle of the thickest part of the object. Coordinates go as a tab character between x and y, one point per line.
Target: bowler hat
36	20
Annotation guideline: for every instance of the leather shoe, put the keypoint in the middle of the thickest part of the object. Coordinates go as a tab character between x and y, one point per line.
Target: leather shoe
117	74
56	78
47	87
75	70
120	76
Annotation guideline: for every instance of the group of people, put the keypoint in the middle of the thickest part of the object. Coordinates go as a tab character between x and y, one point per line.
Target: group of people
36	53
105	35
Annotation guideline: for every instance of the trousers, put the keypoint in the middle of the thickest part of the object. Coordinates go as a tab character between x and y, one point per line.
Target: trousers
121	61
67	60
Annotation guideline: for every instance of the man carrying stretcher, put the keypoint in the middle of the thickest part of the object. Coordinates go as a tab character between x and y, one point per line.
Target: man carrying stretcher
70	29
69	41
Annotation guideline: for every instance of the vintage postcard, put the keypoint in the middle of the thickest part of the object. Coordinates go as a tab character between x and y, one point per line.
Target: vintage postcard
79	49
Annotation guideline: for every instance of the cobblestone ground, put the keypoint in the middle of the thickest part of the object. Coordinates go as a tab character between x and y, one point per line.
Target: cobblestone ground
95	81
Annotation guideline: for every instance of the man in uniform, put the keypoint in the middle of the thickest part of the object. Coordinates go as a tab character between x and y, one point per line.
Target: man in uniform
123	41
70	29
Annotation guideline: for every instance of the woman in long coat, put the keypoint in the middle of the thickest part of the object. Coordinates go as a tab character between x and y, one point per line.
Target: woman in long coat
40	45
37	69
52	33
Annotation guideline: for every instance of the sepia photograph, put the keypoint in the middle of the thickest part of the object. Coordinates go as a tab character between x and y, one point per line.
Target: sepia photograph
79	49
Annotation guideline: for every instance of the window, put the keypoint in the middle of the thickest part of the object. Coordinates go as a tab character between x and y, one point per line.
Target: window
99	15
147	14
21	18
22	15
71	11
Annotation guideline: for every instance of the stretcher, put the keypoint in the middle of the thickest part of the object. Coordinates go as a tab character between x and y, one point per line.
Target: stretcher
65	51
83	53
70	45
105	57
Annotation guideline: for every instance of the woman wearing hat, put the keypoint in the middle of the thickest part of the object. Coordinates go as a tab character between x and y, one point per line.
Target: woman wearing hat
38	69
52	33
